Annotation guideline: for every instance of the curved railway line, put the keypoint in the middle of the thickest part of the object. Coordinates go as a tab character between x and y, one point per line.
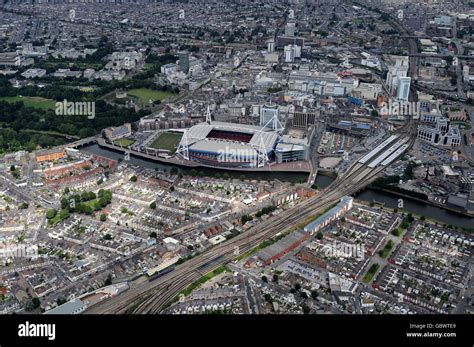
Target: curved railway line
152	297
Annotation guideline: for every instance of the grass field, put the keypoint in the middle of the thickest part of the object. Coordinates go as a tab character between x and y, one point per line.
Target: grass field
168	141
144	95
31	101
203	280
383	253
370	274
124	142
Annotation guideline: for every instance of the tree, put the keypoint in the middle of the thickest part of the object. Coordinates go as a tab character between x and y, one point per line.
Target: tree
103	202
275	278
245	218
314	294
153	235
153	205
305	308
50	214
12	168
88	210
319	235
297	286
133	178
108	281
64	214
33	304
264	279
103	217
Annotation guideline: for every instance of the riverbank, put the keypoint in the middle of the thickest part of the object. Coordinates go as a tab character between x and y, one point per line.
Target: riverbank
415	206
111	153
300	167
429	202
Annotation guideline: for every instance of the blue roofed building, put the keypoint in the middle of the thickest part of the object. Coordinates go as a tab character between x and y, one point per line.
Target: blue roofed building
344	205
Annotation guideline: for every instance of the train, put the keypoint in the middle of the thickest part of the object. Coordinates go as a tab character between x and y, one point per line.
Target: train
161	273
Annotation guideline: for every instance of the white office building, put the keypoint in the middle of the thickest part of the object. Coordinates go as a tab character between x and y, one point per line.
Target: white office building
403	90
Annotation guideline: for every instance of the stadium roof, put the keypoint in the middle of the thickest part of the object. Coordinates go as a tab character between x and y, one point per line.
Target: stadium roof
196	136
212	146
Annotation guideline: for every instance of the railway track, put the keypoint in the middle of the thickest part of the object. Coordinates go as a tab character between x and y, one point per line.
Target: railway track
170	285
152	297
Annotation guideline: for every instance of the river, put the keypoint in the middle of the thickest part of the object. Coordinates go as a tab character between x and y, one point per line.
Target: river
368	195
416	207
150	164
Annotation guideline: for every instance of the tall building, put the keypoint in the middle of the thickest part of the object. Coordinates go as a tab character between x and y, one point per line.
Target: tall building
290	53
304	119
183	61
271	46
403	88
397	69
290	29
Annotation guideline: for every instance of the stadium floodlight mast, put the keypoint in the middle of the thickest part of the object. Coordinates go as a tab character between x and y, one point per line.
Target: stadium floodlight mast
262	157
183	148
275	124
208	116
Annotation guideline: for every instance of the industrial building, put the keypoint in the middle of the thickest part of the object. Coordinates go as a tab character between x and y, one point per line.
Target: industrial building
115	133
50	155
344	205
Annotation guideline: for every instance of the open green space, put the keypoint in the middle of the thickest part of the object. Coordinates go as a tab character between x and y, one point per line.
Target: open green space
31	101
383	253
370	274
461	124
124	142
203	279
167	140
145	95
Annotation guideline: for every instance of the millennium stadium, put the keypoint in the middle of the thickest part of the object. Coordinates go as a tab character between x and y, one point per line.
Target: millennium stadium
230	145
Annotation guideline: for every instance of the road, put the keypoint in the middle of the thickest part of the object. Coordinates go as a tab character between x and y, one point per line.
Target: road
152	297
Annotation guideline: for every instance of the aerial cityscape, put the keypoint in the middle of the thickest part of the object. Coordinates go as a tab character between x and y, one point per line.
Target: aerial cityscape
236	157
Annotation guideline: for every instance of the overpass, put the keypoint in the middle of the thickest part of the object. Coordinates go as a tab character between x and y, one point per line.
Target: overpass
83	142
